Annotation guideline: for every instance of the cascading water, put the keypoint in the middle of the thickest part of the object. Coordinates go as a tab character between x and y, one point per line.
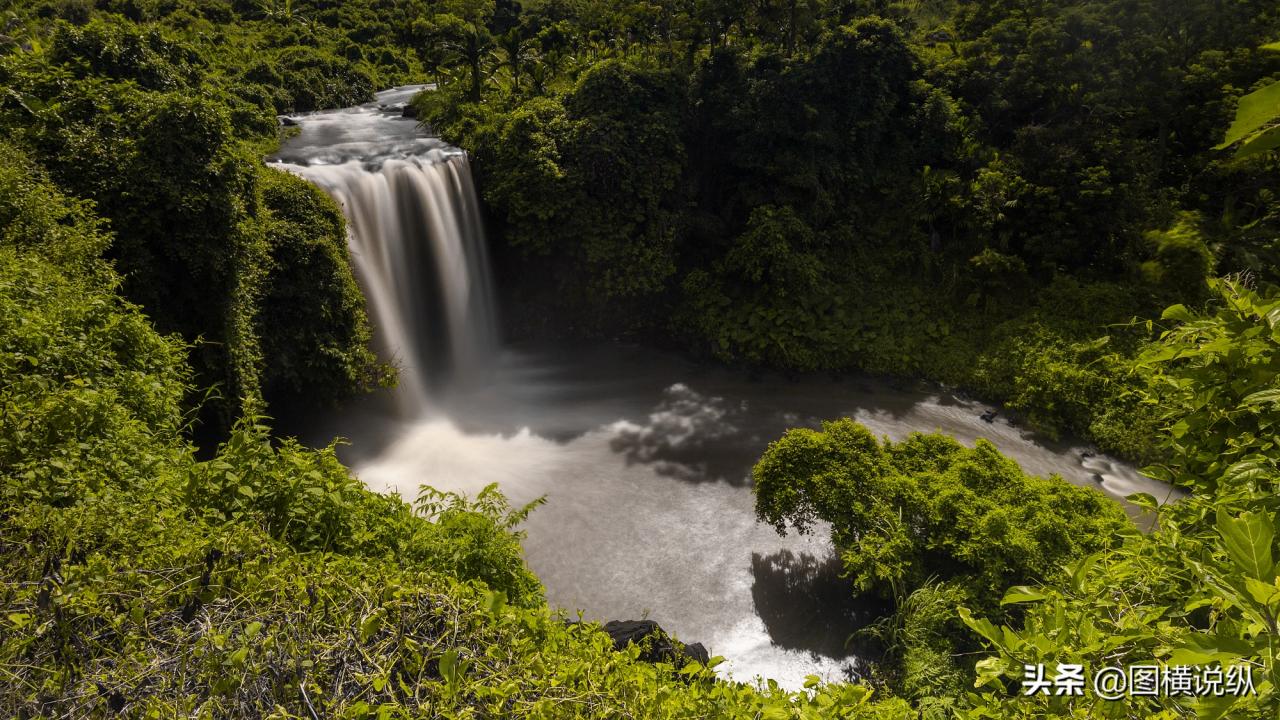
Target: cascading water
416	241
644	458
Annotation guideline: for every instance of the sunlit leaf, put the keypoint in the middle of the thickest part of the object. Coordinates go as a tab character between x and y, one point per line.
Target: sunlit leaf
1247	539
1259	143
1256	110
1021	594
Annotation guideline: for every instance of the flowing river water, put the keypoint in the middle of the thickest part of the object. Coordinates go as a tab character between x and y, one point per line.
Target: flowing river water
644	457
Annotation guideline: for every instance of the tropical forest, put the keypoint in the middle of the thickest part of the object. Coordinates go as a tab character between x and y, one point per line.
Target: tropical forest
629	359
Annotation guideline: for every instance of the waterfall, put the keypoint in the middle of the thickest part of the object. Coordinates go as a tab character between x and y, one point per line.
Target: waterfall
417	244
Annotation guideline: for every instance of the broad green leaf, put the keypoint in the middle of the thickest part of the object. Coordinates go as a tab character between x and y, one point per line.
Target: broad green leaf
1275	46
1259	143
1256	110
1263	593
982	626
1247	539
1244	471
1146	501
238	658
449	667
1212	708
369	626
1201	649
1021	594
1078	571
493	602
1262	397
990	670
1177	312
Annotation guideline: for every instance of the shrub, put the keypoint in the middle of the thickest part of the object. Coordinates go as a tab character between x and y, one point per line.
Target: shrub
928	507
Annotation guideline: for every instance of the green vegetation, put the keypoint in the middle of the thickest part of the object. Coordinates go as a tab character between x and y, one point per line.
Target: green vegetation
929	508
925	521
980	193
942	525
147	123
1203	587
1033	200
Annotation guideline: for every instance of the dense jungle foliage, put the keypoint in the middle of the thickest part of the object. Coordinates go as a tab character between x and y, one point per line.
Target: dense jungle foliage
1068	207
979	193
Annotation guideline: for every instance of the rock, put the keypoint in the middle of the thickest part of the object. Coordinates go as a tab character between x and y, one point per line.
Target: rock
989	416
656	644
409	111
696	651
287	121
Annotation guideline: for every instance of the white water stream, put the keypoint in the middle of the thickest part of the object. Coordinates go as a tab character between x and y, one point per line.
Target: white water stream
644	457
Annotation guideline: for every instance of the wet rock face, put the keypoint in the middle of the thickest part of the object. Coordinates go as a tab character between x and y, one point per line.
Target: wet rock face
656	645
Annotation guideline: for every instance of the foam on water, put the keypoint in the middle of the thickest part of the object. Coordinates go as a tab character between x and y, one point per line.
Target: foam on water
644	458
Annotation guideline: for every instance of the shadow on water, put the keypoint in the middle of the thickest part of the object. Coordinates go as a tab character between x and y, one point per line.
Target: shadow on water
691	437
807	606
716	432
710	426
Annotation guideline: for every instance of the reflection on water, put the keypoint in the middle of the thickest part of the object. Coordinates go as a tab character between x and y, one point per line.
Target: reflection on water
645	459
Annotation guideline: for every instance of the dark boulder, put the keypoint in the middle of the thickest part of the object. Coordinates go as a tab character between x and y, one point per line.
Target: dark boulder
656	645
989	416
697	652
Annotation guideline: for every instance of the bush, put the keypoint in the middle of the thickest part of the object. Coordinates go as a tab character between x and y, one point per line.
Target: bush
315	333
1180	259
312	80
123	51
928	507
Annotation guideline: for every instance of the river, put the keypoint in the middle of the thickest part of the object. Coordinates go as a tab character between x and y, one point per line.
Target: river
644	457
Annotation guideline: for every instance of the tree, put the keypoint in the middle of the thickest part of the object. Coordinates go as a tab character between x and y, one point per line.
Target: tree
928	507
467	42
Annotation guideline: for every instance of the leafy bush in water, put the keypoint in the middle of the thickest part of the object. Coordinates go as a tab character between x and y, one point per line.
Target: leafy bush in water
928	507
932	525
